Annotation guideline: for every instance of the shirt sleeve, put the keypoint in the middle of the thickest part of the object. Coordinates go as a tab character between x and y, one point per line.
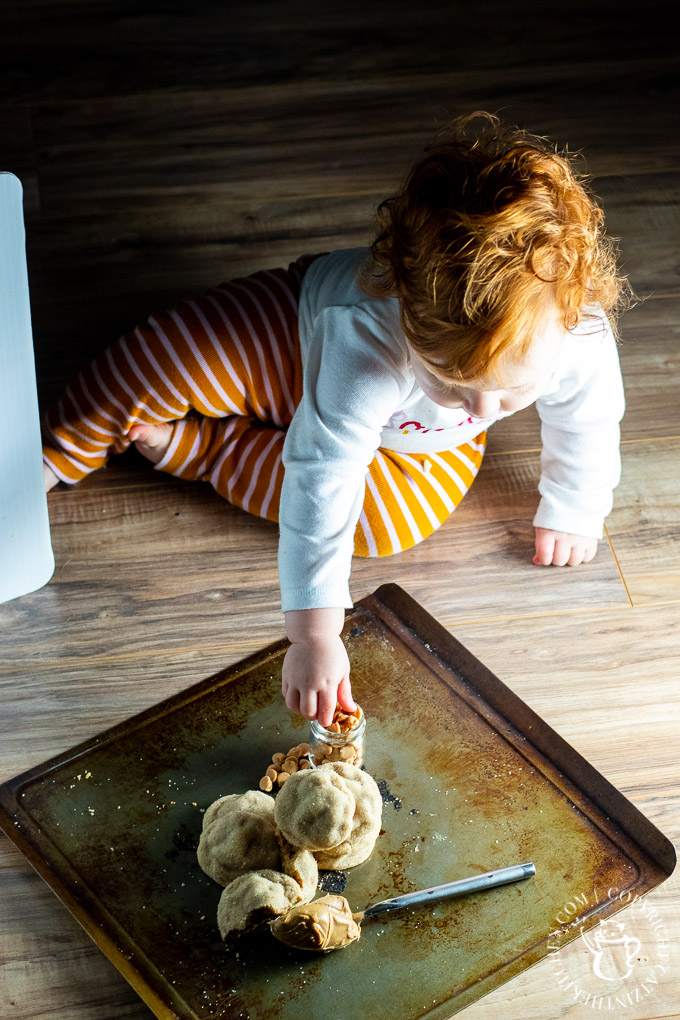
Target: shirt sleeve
580	458
353	381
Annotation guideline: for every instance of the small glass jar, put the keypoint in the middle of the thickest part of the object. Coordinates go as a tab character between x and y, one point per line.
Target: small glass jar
331	745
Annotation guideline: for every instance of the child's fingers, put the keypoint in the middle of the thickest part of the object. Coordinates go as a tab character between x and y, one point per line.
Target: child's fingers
325	707
292	699
590	552
577	556
561	549
345	698
308	704
545	547
562	553
583	552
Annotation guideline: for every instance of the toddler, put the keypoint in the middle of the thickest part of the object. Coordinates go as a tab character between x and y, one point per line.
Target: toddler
348	397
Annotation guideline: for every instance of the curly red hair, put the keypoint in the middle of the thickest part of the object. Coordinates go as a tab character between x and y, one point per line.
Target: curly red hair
492	229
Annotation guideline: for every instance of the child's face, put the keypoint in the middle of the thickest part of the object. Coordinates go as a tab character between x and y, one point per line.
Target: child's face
523	382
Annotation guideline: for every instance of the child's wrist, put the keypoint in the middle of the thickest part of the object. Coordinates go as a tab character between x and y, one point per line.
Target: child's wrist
312	625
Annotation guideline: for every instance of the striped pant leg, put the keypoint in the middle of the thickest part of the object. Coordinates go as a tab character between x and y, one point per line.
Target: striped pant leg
239	456
232	351
408	496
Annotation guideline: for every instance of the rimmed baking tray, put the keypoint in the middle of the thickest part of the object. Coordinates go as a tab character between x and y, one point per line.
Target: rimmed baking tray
472	779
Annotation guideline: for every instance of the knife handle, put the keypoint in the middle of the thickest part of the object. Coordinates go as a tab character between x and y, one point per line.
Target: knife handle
476	883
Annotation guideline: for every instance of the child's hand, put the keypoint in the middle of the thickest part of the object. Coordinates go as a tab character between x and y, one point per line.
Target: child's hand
562	549
315	677
315	673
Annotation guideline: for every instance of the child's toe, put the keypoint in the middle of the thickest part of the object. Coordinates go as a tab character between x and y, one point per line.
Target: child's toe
151	440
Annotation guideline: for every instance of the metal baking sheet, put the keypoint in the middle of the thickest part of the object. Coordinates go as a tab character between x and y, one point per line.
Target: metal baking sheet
471	778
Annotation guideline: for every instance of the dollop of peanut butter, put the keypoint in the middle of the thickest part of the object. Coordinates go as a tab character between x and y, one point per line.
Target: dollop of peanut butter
327	923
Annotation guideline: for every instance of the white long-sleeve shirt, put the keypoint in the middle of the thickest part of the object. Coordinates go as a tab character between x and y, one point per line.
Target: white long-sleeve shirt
360	393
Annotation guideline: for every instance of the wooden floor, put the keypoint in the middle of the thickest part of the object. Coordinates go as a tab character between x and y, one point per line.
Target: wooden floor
166	146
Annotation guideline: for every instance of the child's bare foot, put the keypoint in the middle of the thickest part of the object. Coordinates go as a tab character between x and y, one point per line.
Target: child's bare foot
151	440
50	478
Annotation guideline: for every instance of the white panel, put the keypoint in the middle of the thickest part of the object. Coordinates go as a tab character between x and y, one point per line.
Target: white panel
26	559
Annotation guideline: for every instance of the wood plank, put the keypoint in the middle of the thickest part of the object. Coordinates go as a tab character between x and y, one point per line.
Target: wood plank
49	54
650	364
210	238
569	989
174	564
478	565
95	154
580	672
607	687
584	675
644	212
49	968
49	705
93	277
18	153
643	526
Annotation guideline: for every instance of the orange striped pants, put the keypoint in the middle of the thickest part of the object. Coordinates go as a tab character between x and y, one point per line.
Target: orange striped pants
225	368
